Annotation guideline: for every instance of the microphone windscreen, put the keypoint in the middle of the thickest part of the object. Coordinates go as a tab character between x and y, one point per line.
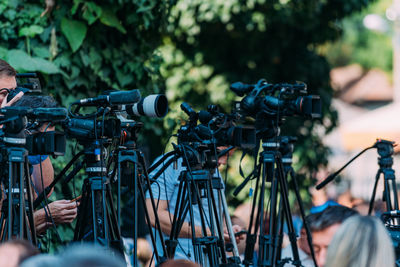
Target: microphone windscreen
124	97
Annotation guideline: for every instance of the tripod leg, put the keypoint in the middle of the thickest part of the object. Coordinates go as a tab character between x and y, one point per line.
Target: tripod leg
82	220
395	198
146	213
303	215
253	226
214	216
371	202
229	223
277	242
32	228
10	218
141	159
266	250
22	209
114	230
172	242
287	212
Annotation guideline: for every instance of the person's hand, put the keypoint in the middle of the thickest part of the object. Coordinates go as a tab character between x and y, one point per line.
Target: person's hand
236	228
63	211
4	103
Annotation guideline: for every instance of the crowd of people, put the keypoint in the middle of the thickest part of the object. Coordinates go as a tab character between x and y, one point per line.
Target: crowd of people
340	235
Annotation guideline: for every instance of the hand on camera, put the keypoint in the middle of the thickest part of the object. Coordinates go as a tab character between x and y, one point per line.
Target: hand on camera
4	103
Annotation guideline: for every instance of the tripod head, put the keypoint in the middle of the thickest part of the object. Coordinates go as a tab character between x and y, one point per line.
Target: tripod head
385	150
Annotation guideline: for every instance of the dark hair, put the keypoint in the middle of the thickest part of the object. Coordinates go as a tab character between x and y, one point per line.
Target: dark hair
6	69
26	249
36	101
328	217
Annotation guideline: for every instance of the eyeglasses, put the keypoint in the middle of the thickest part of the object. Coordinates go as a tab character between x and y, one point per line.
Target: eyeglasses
5	91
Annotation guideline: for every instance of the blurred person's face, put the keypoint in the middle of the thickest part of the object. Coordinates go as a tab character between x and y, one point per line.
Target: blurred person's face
9	256
8	82
321	241
223	160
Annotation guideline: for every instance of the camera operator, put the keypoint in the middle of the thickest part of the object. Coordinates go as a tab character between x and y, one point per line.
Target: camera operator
165	191
60	211
8	82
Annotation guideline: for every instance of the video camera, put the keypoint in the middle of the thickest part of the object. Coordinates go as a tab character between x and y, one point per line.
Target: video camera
119	104
215	128
15	121
279	100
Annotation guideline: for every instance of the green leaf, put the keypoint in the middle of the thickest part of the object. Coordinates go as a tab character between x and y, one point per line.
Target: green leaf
109	18
40	51
3	52
21	61
75	32
91	12
3	6
45	66
30	31
75	6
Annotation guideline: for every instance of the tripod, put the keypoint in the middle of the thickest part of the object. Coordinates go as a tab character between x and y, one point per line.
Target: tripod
97	218
16	219
385	162
275	169
196	189
129	154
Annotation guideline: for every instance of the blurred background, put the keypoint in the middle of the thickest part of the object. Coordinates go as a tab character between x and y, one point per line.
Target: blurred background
346	51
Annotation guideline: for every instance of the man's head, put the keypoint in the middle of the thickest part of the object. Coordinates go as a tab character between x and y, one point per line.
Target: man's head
323	226
13	252
7	79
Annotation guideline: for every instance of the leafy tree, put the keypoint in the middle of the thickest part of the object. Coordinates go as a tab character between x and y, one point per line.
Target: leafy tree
85	47
369	48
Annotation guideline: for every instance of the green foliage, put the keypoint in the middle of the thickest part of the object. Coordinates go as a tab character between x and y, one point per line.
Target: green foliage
369	48
74	31
85	47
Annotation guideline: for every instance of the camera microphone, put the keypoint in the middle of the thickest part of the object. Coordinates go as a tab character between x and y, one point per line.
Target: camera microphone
49	114
113	98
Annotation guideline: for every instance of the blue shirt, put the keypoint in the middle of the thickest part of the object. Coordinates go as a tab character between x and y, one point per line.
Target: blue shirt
166	188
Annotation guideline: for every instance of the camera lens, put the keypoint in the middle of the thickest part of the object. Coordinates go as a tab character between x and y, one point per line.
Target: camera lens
150	106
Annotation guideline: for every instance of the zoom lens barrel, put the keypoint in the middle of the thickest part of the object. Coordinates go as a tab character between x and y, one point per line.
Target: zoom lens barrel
150	106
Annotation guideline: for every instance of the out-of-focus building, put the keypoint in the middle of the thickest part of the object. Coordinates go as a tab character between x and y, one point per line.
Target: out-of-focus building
366	110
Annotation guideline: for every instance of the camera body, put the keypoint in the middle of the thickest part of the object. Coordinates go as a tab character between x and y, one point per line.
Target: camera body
276	100
84	129
215	128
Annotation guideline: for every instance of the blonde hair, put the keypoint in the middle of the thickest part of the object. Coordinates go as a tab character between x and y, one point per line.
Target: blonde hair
361	241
